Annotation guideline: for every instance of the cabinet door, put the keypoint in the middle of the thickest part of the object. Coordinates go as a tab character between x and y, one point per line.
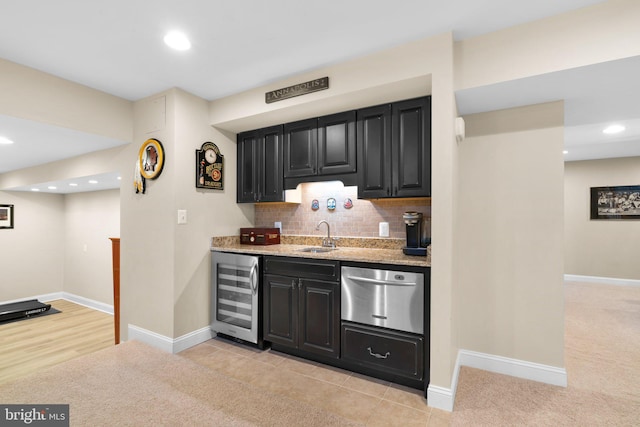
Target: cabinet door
271	185
300	148
412	148
247	190
374	152
337	143
281	310
320	317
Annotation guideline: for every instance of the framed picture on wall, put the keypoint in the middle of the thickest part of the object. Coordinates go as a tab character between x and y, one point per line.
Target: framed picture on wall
6	216
620	202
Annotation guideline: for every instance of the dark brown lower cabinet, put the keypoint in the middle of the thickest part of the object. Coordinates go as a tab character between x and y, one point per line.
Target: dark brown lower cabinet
302	313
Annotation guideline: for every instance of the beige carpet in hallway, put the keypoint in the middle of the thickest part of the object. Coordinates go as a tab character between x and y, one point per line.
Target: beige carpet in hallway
602	356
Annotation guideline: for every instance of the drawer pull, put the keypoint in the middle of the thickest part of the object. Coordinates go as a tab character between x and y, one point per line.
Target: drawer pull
378	356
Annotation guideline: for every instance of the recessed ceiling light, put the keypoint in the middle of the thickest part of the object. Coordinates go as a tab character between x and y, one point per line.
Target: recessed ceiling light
613	129
177	40
52	187
93	181
565	152
119	178
35	189
73	184
5	140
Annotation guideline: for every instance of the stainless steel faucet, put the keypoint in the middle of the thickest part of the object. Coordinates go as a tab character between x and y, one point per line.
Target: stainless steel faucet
327	242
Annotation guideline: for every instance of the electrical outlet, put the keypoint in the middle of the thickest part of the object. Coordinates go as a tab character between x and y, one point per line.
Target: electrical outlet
383	229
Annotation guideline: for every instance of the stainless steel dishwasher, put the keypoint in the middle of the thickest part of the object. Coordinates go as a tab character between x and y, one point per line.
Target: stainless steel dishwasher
385	298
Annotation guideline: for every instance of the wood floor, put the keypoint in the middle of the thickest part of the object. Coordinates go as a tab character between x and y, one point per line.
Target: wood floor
32	344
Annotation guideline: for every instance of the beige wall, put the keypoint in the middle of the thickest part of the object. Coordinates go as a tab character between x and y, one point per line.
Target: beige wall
210	212
603	32
164	269
390	75
45	253
34	95
32	257
510	234
597	247
89	220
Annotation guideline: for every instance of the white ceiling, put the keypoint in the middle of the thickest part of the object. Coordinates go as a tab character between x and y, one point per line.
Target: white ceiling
117	47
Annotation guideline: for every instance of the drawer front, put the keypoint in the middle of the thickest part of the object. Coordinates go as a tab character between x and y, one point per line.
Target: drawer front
303	267
384	350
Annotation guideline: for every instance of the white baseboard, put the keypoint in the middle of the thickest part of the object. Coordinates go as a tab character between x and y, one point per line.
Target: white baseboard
43	298
440	398
601	280
170	345
96	305
444	398
513	367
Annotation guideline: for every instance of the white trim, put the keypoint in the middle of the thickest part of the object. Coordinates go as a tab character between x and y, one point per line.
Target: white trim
151	338
170	345
513	367
96	305
43	297
443	398
193	338
601	280
440	398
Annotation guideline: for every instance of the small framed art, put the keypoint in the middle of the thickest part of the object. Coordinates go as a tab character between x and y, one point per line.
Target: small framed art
6	216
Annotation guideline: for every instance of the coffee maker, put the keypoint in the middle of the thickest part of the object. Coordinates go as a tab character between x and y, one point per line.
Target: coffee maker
413	222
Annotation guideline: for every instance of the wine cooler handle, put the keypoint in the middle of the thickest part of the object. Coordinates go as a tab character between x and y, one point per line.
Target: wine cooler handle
253	276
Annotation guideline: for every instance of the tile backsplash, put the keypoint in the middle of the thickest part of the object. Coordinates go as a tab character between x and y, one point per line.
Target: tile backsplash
361	220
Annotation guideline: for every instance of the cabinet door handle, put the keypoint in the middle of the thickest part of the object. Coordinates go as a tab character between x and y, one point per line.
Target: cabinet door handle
299	283
293	284
378	356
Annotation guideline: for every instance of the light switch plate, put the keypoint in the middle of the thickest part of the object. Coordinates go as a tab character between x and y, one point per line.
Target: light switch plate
182	216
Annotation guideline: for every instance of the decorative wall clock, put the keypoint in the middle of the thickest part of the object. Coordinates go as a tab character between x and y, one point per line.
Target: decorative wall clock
209	167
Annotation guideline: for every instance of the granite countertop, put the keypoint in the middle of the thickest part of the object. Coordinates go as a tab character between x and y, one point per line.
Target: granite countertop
366	251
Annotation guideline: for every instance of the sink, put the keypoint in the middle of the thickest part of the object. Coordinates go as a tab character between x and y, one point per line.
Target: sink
317	249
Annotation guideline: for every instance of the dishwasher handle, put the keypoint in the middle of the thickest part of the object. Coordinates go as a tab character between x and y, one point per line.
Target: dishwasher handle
379	282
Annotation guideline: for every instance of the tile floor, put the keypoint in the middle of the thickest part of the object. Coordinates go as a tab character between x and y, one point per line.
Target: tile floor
359	398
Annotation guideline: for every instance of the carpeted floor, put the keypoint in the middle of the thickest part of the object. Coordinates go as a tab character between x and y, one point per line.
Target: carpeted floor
133	384
602	354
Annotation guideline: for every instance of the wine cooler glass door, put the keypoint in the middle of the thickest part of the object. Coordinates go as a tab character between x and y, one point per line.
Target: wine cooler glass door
235	295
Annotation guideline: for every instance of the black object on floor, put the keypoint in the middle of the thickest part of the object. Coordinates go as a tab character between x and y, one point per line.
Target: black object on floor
22	310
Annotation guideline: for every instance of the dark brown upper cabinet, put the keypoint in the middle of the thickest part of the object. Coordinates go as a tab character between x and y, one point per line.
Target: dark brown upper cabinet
260	166
394	149
301	148
323	146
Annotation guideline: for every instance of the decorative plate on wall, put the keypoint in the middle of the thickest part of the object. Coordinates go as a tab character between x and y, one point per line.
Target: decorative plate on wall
151	158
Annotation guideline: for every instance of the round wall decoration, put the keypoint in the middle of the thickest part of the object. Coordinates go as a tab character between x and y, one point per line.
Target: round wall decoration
151	158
